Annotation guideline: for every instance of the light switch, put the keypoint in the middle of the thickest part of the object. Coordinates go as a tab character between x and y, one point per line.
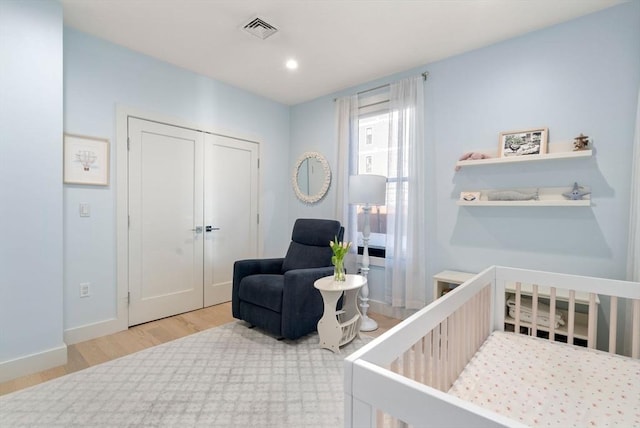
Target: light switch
85	210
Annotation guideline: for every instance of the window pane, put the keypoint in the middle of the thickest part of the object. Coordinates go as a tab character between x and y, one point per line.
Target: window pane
373	158
373	128
377	224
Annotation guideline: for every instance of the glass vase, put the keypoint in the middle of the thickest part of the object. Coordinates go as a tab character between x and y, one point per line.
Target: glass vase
338	271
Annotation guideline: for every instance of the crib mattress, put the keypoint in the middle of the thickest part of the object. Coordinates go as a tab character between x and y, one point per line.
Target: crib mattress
542	383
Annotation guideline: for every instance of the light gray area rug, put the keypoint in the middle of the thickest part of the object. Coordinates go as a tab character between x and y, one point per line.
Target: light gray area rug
229	376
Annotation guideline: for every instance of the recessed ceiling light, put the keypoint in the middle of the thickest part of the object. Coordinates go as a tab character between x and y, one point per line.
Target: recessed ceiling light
291	64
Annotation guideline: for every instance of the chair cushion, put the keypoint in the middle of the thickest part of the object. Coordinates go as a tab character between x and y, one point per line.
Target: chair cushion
262	290
317	232
309	246
306	256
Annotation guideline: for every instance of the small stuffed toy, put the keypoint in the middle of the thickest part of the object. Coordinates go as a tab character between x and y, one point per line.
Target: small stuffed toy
581	142
472	156
576	193
513	195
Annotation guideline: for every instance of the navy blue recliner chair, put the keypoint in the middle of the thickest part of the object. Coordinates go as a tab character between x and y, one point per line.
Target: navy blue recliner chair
278	295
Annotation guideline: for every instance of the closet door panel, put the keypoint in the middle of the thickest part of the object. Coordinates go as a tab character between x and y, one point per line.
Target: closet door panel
231	211
165	212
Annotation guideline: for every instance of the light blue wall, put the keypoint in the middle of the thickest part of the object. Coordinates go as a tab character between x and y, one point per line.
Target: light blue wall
311	132
31	317
98	76
580	76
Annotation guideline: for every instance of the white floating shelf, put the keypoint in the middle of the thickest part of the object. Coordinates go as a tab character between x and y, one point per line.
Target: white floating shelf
547	197
526	158
542	203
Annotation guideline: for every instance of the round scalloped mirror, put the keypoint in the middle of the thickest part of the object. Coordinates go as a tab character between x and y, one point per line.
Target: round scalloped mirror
311	177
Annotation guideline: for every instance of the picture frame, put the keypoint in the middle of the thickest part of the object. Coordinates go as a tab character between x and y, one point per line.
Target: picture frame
523	143
86	160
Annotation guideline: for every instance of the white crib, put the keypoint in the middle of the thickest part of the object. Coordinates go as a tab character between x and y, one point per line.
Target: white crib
403	377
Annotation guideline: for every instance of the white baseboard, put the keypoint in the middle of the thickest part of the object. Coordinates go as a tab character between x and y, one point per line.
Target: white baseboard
33	363
91	331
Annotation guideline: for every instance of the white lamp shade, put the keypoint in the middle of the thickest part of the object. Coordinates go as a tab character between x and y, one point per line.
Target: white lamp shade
367	189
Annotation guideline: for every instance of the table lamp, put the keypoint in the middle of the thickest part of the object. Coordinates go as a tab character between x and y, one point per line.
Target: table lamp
367	190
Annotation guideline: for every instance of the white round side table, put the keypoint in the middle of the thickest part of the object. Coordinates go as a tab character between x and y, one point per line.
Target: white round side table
338	327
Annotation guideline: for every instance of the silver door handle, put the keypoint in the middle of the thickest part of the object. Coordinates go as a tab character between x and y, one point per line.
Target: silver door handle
211	228
198	229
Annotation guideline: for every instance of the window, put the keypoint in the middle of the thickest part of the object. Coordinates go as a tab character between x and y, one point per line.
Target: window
368	164
373	158
403	156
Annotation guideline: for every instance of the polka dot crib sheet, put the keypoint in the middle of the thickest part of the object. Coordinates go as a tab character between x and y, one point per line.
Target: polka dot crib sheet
542	383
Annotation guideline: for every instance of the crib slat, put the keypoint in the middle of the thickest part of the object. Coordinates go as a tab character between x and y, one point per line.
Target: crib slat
572	316
474	315
517	317
635	330
436	357
451	356
428	355
591	333
534	311
462	323
486	309
613	324
454	334
483	306
489	316
425	358
461	340
406	363
469	311
417	361
464	311
552	314
444	331
474	334
380	419
481	312
395	366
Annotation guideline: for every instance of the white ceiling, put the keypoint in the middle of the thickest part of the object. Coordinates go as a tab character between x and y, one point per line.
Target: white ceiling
338	43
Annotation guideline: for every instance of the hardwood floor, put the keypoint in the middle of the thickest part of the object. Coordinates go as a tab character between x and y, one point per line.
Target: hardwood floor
96	351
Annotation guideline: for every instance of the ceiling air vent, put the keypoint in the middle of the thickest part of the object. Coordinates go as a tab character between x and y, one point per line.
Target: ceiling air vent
259	28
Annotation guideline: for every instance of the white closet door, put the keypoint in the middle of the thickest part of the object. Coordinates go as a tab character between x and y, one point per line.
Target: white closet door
166	219
231	212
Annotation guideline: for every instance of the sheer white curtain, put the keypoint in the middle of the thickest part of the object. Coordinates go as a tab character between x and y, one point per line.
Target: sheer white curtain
633	254
406	281
633	251
347	120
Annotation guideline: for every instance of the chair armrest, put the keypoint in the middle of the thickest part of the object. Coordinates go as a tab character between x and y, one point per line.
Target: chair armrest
243	268
302	304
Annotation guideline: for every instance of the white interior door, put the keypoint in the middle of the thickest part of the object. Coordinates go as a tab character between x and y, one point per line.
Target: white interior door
231	211
166	219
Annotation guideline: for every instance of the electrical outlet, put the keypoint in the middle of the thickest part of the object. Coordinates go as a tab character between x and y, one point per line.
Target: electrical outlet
84	289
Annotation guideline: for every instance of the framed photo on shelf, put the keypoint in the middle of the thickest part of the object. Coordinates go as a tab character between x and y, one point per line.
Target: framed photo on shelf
86	160
523	143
